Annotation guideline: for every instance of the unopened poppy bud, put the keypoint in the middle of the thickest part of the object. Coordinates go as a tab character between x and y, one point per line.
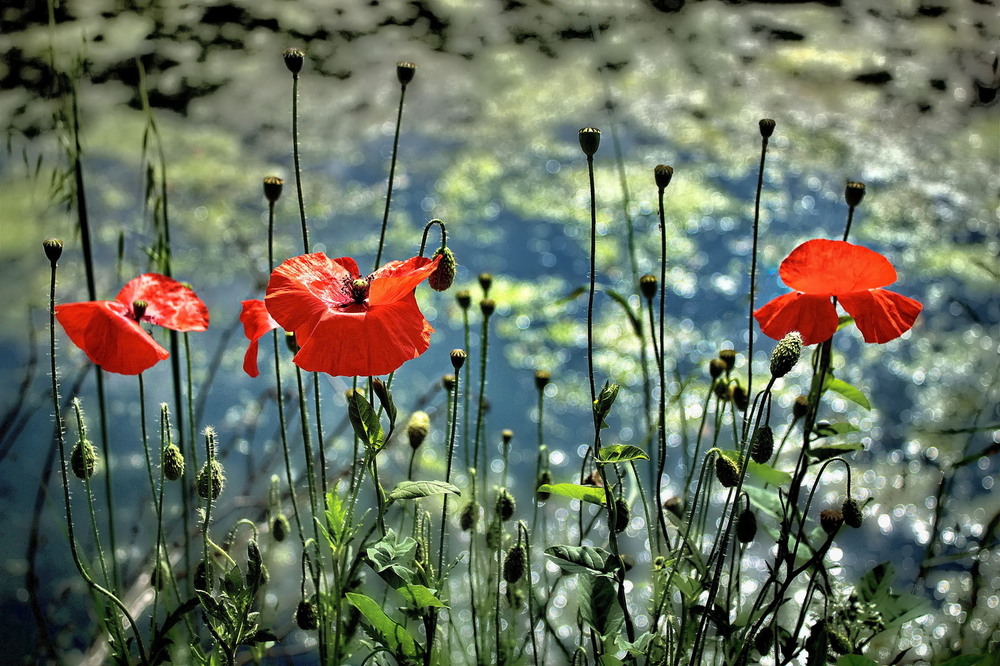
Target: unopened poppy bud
766	127
786	354
272	188
487	306
854	193
544	479
740	397
53	249
622	515
839	643
542	379
280	527
762	445
467	519
160	575
726	471
505	505
405	71
464	299
494	533
293	59
716	367
444	275
800	407
211	480
291	343
590	140
514	564
485	282
417	428
674	505
83	459
381	391
305	615
831	520
662	174
458	357
257	575
723	391
728	356
852	513
139	309
448	382
746	526
647	286
173	462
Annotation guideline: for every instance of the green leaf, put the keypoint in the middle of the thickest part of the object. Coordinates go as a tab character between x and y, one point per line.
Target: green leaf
591	494
406	490
421	597
619	453
336	518
855	660
820	453
599	604
571	296
765	473
383	628
580	559
605	399
969	660
365	421
390	559
623	301
847	391
831	429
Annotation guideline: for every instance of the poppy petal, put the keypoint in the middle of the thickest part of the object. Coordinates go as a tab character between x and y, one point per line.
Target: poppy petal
366	343
881	315
303	288
815	317
832	268
397	279
169	303
109	336
256	322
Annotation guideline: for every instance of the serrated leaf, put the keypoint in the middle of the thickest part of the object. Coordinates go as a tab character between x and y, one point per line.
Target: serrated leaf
821	453
406	490
421	597
580	559
336	517
831	429
846	390
619	453
383	628
591	494
390	559
365	421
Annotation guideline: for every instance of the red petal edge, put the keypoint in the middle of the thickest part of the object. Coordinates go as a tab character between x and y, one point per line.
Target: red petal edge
109	336
881	315
256	322
169	303
831	268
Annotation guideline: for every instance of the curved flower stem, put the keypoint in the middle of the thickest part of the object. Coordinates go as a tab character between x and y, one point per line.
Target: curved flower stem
427	228
392	174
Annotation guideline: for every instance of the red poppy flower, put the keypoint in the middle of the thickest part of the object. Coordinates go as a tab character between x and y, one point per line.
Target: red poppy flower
346	324
821	270
109	331
256	322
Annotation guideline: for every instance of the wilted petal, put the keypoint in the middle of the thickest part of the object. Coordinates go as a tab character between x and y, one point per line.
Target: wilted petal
169	303
814	317
881	315
256	322
832	268
105	331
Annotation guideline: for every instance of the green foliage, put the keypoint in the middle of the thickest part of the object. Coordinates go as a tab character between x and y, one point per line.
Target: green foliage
384	630
604	401
391	558
581	559
765	473
846	391
894	609
599	607
365	421
406	490
591	494
620	453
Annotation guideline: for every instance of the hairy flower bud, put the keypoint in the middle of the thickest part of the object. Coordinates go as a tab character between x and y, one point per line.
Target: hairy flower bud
647	286
766	127
728	356
53	250
173	462
762	445
444	275
726	471
417	428
786	354
831	520
272	188
741	398
83	459
622	511
280	527
293	59
852	513
211	480
662	174
305	615
746	526
716	367
405	71
514	564
505	505
590	140
854	193
467	519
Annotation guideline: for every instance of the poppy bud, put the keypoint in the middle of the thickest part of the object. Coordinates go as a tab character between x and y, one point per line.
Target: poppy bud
83	459
746	526
493	535
716	367
506	435
458	357
723	391
544	478
444	275
272	188
762	445
160	575
766	127
854	193
305	615
542	379
786	354
728	356
467	519
53	250
211	480
839	643
405	72
290	342
831	520
800	407
505	505
740	398
485	282
487	306
173	462
293	60
674	505
514	564
621	515
257	575
852	513
448	382
662	174
647	286
464	299
590	140
280	527
417	428
726	471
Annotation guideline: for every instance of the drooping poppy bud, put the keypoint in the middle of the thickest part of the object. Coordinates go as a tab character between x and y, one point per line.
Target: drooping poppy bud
762	445
83	459
726	471
740	397
417	428
173	462
505	505
622	514
514	564
280	527
467	519
852	513
746	526
444	275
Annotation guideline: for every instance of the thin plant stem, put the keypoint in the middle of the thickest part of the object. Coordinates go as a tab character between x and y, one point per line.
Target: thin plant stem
753	271
392	175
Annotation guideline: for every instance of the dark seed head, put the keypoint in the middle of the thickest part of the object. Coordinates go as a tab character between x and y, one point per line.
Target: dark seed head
458	357
854	193
405	72
726	471
444	275
272	188
53	249
647	286
766	127
662	174
293	59
831	520
852	513
590	140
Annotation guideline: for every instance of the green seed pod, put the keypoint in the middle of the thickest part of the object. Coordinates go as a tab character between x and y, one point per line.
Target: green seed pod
417	428
800	407
514	564
280	527
505	505
487	306
762	445
305	615
621	515
852	513
83	459
444	275
405	72
544	478
740	398
590	140
662	174
716	367
726	471
210	481
272	188
464	299
542	379
173	462
458	357
485	282
746	526
786	354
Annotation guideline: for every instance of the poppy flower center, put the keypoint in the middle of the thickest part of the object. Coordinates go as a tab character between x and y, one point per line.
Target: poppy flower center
139	309
359	290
